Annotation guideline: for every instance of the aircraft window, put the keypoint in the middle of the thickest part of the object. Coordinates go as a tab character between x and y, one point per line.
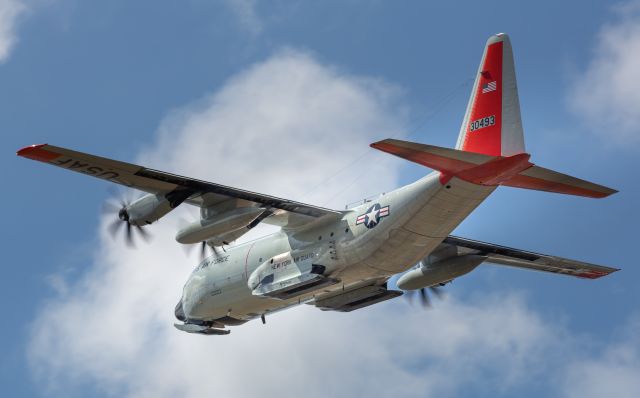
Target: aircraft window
260	260
317	269
271	261
320	237
346	231
267	279
331	234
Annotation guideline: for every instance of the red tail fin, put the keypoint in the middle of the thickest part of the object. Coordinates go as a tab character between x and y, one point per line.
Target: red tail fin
492	123
490	149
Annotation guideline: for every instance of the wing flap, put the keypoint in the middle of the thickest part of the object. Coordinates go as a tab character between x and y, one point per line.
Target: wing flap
503	255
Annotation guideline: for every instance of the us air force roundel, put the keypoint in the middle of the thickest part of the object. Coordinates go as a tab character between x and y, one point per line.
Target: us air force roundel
373	216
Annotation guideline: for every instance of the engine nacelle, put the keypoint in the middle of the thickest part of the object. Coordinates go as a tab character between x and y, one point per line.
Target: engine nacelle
147	209
440	272
222	224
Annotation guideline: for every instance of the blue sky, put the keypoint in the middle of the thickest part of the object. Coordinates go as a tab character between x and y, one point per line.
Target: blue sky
141	81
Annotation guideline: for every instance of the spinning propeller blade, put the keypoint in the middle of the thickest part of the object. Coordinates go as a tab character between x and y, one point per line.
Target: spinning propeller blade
205	248
425	301
203	252
121	209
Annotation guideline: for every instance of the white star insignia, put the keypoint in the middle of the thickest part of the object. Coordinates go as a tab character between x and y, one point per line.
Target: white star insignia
371	216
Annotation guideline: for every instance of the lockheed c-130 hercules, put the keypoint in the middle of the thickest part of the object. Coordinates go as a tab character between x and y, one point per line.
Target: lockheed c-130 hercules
342	260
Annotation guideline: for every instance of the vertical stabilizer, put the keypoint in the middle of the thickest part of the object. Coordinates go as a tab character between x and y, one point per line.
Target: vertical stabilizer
490	149
492	123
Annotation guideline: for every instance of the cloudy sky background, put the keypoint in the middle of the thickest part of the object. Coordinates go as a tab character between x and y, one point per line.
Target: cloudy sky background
283	98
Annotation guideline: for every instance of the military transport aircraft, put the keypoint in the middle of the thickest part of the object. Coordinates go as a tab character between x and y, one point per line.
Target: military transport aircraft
342	260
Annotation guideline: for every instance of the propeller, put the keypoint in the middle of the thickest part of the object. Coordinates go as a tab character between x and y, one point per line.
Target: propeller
424	296
131	230
204	249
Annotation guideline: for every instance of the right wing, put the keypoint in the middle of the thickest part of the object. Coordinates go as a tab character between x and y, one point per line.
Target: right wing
502	255
282	212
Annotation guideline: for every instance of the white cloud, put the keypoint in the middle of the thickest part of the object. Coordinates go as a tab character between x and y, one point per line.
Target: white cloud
10	13
280	127
607	93
614	373
283	125
247	14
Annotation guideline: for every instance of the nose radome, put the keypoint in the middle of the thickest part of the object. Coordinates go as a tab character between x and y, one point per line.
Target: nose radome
179	312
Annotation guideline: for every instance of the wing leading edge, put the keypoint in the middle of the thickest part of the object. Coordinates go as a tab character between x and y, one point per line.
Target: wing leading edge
508	256
204	193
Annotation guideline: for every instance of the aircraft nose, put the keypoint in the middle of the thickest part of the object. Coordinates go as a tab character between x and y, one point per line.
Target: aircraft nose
179	312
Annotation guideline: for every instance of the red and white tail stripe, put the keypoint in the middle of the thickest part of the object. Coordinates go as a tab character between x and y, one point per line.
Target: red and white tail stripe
492	124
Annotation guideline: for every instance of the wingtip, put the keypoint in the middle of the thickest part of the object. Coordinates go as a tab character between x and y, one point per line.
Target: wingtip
380	143
24	151
605	193
36	152
595	274
376	145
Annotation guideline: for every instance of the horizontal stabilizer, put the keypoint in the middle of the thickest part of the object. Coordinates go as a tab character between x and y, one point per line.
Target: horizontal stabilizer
435	157
542	179
513	171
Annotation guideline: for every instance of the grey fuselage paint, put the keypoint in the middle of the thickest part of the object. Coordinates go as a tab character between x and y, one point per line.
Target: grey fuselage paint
363	246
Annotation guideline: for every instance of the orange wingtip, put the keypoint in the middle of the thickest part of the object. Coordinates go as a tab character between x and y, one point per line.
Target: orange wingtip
594	274
36	152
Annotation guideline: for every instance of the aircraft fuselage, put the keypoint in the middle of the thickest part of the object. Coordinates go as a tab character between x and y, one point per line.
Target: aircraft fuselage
379	238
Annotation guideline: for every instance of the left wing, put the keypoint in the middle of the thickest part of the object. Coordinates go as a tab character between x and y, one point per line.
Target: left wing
282	212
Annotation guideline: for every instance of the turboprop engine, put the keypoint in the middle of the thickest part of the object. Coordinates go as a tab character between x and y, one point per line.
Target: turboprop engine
226	224
433	274
146	210
143	211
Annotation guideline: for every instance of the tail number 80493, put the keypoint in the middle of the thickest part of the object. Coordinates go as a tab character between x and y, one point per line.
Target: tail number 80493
481	123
